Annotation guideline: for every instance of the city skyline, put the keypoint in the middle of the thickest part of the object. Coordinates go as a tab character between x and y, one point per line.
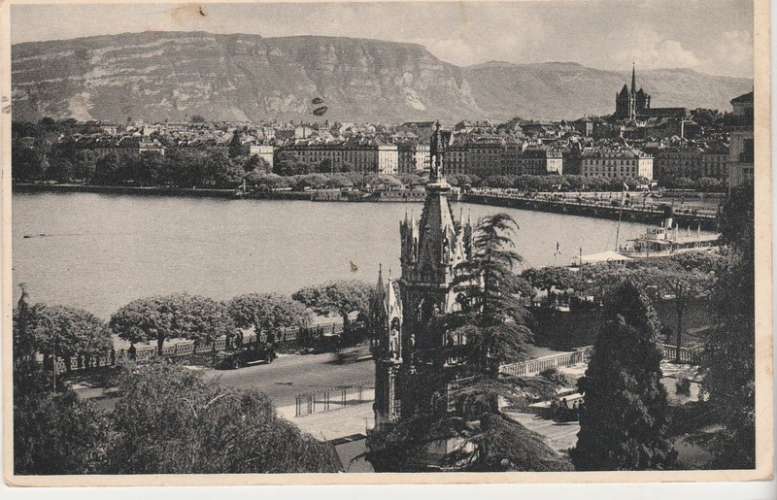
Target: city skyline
716	41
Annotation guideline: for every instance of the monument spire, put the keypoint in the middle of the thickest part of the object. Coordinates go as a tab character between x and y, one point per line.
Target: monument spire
633	77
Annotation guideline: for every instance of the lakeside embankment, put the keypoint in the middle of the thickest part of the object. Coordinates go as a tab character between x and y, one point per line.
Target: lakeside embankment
646	215
154	191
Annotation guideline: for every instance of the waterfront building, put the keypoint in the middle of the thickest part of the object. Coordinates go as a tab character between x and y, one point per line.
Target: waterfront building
533	160
406	158
388	159
741	146
571	159
148	145
484	157
616	162
456	159
422	157
743	107
416	362
714	161
679	161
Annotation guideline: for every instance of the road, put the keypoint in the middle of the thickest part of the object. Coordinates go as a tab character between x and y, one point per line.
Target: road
294	374
286	377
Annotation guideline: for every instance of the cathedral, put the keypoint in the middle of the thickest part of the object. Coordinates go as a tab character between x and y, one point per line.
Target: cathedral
416	360
631	103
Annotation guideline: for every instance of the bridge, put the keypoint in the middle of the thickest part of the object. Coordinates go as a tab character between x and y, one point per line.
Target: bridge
693	218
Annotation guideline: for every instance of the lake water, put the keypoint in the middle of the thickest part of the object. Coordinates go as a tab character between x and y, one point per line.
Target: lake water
101	251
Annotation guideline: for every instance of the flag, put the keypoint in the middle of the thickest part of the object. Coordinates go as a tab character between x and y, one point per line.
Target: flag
558	248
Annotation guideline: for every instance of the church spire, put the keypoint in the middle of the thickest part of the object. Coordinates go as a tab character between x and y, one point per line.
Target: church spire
633	77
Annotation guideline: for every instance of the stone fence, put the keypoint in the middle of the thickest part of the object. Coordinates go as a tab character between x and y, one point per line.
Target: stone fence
536	366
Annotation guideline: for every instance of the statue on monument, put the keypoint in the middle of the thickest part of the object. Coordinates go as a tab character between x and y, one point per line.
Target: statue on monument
436	150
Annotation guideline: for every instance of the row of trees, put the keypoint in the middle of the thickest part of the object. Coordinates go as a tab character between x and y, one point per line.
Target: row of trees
184	167
560	182
66	332
704	184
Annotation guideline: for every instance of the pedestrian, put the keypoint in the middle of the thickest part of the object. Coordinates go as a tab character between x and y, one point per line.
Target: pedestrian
132	352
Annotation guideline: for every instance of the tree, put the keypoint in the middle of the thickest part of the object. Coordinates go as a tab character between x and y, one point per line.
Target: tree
547	278
623	425
341	297
325	166
252	163
180	316
107	169
729	351
53	433
266	311
169	420
235	146
85	165
61	170
681	286
197	119
27	163
57	434
65	332
492	317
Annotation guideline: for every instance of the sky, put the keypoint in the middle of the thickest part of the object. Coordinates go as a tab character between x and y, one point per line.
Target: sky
710	36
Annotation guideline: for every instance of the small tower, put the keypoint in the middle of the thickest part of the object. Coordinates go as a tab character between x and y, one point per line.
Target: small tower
386	348
413	355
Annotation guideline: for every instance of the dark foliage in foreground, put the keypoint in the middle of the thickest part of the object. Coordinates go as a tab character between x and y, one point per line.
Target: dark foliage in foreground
624	422
167	421
730	348
492	443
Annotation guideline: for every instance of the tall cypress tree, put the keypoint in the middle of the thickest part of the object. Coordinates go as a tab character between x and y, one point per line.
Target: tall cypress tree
623	425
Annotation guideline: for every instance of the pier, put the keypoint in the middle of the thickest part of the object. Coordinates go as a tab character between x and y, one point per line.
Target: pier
705	219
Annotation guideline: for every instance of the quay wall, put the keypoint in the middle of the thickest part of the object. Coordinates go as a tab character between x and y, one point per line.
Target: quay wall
650	216
157	191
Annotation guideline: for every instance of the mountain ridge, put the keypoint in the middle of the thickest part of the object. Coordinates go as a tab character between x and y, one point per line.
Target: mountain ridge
157	75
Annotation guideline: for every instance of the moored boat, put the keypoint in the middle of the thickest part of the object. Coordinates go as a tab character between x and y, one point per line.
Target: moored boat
667	239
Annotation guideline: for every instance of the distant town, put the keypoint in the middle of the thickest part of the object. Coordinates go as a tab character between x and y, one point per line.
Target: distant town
644	146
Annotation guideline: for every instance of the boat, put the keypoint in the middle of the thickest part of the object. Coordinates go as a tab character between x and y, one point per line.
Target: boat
667	239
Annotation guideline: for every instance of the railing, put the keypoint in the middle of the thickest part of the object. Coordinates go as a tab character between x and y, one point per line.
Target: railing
687	356
536	366
335	398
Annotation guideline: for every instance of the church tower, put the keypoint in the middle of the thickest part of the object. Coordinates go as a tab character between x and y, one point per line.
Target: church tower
414	357
631	103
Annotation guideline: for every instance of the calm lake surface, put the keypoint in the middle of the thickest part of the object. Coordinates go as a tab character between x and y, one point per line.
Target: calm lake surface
102	251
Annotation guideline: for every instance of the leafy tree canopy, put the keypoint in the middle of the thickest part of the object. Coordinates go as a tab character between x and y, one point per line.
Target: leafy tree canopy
341	297
169	420
180	316
266	311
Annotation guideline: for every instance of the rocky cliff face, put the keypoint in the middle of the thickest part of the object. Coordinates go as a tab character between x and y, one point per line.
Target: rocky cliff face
173	75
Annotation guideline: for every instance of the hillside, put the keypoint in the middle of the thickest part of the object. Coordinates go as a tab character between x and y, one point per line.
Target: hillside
173	75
